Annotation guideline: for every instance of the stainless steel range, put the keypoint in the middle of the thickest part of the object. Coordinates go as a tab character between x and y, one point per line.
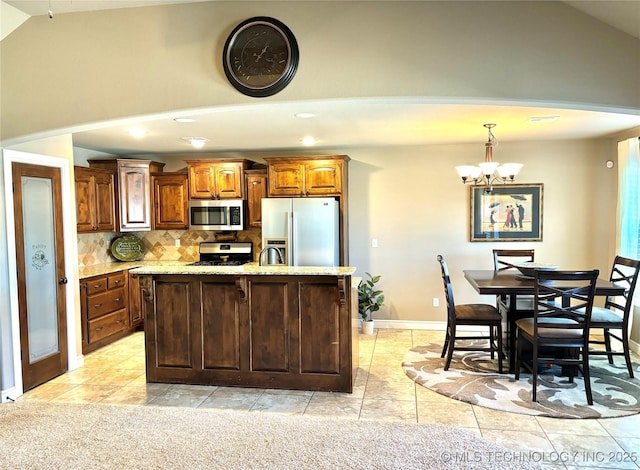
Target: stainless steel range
224	254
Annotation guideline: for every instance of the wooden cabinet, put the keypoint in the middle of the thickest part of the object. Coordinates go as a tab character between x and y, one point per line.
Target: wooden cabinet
95	200
303	177
256	183
136	313
170	201
133	189
322	176
216	179
290	332
104	302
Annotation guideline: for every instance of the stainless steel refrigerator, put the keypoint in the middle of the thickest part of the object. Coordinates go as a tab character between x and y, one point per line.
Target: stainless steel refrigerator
305	230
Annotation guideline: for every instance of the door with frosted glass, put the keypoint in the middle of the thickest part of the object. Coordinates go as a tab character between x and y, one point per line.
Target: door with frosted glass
37	201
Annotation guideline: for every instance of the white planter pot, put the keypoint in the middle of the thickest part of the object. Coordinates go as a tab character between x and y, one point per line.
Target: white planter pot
367	327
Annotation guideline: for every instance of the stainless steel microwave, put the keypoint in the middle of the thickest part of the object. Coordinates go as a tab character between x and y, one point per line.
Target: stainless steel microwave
219	214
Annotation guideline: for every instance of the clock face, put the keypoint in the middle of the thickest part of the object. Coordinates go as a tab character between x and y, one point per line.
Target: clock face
260	56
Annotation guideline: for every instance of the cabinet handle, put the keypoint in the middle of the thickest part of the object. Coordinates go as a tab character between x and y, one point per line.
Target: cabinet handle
99	328
117	299
98	305
116	282
96	286
118	321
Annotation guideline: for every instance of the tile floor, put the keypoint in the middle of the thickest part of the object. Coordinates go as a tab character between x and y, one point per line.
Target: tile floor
116	374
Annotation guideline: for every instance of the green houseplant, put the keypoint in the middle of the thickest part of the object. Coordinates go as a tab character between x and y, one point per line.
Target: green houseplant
370	300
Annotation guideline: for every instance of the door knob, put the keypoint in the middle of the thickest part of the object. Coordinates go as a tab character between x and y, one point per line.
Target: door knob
63	281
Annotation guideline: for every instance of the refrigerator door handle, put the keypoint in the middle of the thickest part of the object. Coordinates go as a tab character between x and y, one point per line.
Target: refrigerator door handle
291	230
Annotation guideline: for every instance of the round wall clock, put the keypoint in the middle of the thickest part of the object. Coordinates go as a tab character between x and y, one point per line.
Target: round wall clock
260	56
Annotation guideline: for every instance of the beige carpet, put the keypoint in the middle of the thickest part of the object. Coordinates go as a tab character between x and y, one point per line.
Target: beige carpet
55	436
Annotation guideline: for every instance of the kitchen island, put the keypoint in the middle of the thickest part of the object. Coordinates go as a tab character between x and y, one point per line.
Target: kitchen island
251	326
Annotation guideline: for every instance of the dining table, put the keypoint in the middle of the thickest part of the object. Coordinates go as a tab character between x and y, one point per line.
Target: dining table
509	284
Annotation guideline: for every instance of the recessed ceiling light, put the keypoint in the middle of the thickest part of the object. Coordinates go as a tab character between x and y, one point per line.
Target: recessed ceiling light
305	115
308	141
184	120
137	132
543	118
196	142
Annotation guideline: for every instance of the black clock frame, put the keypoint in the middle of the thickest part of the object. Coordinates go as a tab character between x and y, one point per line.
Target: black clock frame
290	68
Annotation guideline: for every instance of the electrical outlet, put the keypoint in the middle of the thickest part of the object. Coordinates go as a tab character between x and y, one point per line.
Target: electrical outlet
178	243
374	243
436	302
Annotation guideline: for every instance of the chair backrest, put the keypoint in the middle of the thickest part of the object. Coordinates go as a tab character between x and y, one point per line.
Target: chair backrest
624	272
448	290
564	294
507	259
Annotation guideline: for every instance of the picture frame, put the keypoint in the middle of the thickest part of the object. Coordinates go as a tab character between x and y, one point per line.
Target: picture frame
491	206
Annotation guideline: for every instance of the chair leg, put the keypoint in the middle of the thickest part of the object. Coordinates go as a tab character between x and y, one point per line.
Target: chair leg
500	350
607	344
451	345
586	374
534	372
627	356
446	343
518	353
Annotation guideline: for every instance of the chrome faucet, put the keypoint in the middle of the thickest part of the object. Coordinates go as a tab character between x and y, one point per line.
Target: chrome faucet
266	249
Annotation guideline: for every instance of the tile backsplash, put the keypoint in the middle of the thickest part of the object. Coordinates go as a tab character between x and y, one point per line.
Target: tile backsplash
95	248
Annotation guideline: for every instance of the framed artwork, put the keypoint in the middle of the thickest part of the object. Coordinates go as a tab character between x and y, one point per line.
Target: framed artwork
506	213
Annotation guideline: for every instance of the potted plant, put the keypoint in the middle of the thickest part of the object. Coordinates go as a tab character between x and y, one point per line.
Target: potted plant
370	300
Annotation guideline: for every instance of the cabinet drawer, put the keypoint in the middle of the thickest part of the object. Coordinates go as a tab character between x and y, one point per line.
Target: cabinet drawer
107	325
96	285
106	302
115	280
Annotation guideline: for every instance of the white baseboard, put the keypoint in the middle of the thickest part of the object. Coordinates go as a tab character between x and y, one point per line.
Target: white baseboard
419	325
8	395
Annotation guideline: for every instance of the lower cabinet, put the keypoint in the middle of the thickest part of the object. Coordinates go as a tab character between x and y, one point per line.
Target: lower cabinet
258	331
105	309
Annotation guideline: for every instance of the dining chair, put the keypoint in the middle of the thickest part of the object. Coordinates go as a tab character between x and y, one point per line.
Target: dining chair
477	315
506	260
558	332
616	313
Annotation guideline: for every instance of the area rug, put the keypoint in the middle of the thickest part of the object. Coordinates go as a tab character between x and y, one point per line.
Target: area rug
473	378
38	435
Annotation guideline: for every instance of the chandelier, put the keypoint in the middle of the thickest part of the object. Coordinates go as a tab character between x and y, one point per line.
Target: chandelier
489	172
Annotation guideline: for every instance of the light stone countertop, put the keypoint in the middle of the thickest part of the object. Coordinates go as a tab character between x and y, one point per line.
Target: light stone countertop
250	269
116	266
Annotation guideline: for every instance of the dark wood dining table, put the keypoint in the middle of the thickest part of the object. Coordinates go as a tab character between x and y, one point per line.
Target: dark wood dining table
512	284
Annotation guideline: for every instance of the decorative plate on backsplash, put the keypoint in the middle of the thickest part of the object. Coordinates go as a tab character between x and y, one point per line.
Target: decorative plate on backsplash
127	248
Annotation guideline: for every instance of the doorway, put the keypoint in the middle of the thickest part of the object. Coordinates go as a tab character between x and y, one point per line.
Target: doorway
42	347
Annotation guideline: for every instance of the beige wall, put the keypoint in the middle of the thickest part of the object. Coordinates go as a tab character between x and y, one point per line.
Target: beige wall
412	201
80	69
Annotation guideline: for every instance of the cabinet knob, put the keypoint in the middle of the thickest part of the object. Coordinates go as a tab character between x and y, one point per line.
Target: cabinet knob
117	299
98	305
99	328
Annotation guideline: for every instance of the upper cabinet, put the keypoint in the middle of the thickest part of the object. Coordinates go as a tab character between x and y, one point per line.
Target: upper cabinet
134	191
95	200
256	182
211	179
307	176
170	201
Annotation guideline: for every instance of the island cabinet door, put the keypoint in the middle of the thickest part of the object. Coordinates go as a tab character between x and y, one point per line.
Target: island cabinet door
172	342
320	329
220	313
269	324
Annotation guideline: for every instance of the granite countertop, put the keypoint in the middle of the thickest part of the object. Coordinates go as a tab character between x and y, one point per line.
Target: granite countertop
116	266
250	269
182	267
